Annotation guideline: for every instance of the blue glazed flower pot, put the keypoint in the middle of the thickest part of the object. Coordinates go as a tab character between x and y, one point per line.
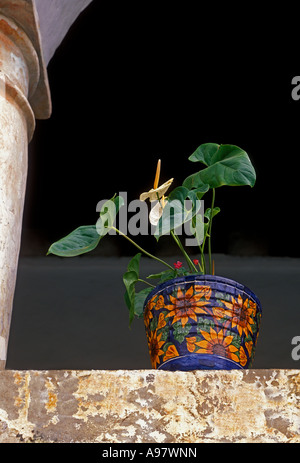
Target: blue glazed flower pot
202	322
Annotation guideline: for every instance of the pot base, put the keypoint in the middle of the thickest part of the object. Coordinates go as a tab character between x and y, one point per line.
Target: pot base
199	362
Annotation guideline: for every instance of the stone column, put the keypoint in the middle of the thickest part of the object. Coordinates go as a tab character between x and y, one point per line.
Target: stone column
20	82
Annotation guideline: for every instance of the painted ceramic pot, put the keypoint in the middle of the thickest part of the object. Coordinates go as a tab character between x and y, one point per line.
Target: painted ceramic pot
202	322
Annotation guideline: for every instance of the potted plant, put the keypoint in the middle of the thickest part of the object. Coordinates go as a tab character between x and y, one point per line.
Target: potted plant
193	318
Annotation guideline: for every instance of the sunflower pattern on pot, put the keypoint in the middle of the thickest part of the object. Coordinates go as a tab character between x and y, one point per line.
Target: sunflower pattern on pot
211	319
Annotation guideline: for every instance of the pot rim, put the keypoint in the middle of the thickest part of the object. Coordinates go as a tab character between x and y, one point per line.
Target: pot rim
206	278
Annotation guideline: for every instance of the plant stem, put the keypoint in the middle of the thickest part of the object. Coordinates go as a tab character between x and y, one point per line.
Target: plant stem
203	258
200	267
209	234
177	240
141	249
146	282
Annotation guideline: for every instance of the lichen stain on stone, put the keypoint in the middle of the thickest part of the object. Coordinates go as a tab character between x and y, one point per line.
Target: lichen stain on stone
20	426
51	404
23	399
294	384
17	378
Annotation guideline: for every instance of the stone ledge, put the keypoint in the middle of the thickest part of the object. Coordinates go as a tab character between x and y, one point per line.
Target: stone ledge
149	406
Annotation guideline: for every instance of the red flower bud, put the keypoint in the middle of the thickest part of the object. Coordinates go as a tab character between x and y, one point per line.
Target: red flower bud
196	261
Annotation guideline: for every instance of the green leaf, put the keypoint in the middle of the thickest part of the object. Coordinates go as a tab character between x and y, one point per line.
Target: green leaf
134	264
164	276
197	228
198	192
139	301
177	212
182	271
86	238
207	213
204	153
169	274
226	165
108	213
130	279
80	241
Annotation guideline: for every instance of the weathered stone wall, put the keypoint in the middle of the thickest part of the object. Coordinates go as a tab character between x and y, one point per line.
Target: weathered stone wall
150	406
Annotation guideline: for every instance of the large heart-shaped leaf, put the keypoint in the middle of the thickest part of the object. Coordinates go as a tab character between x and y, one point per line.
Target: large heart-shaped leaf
226	165
204	153
177	211
83	239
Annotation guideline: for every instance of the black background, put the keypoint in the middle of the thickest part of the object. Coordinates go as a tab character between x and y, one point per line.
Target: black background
132	86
